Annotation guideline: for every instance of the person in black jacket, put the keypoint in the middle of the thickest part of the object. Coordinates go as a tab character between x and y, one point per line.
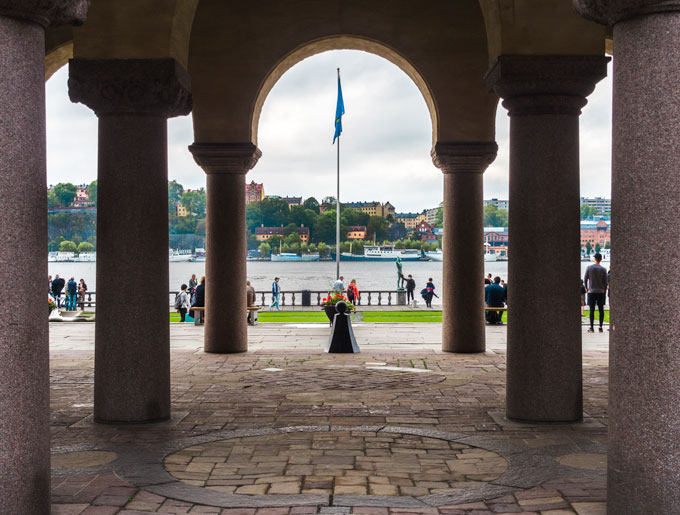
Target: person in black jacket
495	297
199	300
410	288
57	288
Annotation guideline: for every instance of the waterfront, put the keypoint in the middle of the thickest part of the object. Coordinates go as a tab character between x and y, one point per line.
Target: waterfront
302	276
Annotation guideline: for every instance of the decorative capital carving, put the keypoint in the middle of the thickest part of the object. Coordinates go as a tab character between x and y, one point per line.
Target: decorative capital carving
464	157
155	87
537	84
47	12
609	12
225	157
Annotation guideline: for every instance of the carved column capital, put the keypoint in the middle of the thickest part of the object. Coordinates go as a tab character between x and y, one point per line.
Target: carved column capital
464	157
47	12
545	85
155	87
610	12
233	158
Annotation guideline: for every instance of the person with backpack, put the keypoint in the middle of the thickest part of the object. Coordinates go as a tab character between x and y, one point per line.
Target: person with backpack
182	303
353	292
428	293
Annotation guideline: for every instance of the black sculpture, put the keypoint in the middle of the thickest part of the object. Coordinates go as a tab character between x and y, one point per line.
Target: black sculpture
342	338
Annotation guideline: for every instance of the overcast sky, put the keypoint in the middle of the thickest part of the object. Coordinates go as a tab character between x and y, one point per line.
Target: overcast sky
385	143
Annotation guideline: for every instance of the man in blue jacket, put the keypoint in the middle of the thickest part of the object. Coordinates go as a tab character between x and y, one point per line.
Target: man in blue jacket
72	291
276	292
495	297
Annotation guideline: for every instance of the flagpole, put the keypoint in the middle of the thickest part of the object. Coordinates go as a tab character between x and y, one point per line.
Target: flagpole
337	211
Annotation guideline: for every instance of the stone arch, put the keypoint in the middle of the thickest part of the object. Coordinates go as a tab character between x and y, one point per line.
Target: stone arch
58	49
342	43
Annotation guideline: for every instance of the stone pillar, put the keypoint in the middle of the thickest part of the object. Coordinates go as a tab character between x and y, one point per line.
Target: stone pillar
463	165
133	99
643	469
24	347
544	96
226	165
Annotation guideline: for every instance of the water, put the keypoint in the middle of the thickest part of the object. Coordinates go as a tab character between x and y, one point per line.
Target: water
320	275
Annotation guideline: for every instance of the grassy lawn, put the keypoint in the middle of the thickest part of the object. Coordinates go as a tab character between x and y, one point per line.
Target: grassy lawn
315	317
586	314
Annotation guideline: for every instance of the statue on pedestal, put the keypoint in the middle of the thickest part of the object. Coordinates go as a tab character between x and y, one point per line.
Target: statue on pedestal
400	275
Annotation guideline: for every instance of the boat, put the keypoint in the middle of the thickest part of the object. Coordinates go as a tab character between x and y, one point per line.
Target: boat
605	253
439	256
382	253
179	255
435	256
86	257
61	257
288	256
198	255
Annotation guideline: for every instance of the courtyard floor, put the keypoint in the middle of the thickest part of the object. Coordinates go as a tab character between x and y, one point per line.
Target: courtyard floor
286	429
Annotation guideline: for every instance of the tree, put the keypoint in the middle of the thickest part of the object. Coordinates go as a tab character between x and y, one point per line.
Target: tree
607	245
194	202
349	216
328	203
324	228
376	227
300	215
67	246
92	192
65	192
494	217
77	239
175	191
439	222
589	248
265	249
587	211
85	247
323	249
597	247
312	204
396	231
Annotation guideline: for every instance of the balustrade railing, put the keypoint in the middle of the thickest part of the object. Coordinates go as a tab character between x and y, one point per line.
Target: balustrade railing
289	298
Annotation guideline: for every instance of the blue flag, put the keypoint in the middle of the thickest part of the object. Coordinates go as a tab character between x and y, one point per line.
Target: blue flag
339	111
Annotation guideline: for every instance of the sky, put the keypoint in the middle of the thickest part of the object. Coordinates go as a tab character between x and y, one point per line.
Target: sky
385	144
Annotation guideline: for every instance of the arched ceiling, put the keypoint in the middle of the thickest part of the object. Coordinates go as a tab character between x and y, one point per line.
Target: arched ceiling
237	48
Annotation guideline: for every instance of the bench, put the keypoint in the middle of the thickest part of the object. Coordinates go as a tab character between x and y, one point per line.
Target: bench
492	309
198	315
252	311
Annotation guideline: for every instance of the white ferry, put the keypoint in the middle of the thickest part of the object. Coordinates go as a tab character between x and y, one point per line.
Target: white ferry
86	257
606	255
61	257
382	253
179	255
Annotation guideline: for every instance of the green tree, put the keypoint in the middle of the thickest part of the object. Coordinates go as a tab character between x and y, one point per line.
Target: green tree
349	216
312	204
194	202
92	192
285	248
607	245
324	228
85	247
396	231
67	246
376	227
299	215
587	211
252	243
494	217
64	192
589	248
597	247
439	222
265	249
322	249
175	191
77	239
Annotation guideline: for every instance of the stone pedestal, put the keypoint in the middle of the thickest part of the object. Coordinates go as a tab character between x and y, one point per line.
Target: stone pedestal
24	347
226	165
401	298
643	470
544	96
133	100
463	165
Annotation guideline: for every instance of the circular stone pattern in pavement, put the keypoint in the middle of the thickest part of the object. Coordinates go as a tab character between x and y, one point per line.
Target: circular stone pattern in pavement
342	379
82	459
335	462
585	461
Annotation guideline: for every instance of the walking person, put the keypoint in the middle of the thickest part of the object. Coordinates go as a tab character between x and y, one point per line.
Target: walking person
57	288
410	288
72	291
276	293
82	290
250	302
353	292
339	285
429	293
184	303
595	281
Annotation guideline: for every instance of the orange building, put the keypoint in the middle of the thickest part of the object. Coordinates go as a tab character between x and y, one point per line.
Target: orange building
254	192
263	233
356	232
593	232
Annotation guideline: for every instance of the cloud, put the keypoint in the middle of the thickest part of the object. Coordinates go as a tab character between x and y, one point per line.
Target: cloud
385	143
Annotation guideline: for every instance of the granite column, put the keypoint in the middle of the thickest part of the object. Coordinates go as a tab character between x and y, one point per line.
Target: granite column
24	346
544	96
463	165
226	165
133	99
643	465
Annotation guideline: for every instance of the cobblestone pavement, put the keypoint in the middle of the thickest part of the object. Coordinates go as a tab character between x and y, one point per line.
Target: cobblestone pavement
287	429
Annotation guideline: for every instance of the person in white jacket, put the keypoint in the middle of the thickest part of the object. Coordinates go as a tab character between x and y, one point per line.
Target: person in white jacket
184	304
